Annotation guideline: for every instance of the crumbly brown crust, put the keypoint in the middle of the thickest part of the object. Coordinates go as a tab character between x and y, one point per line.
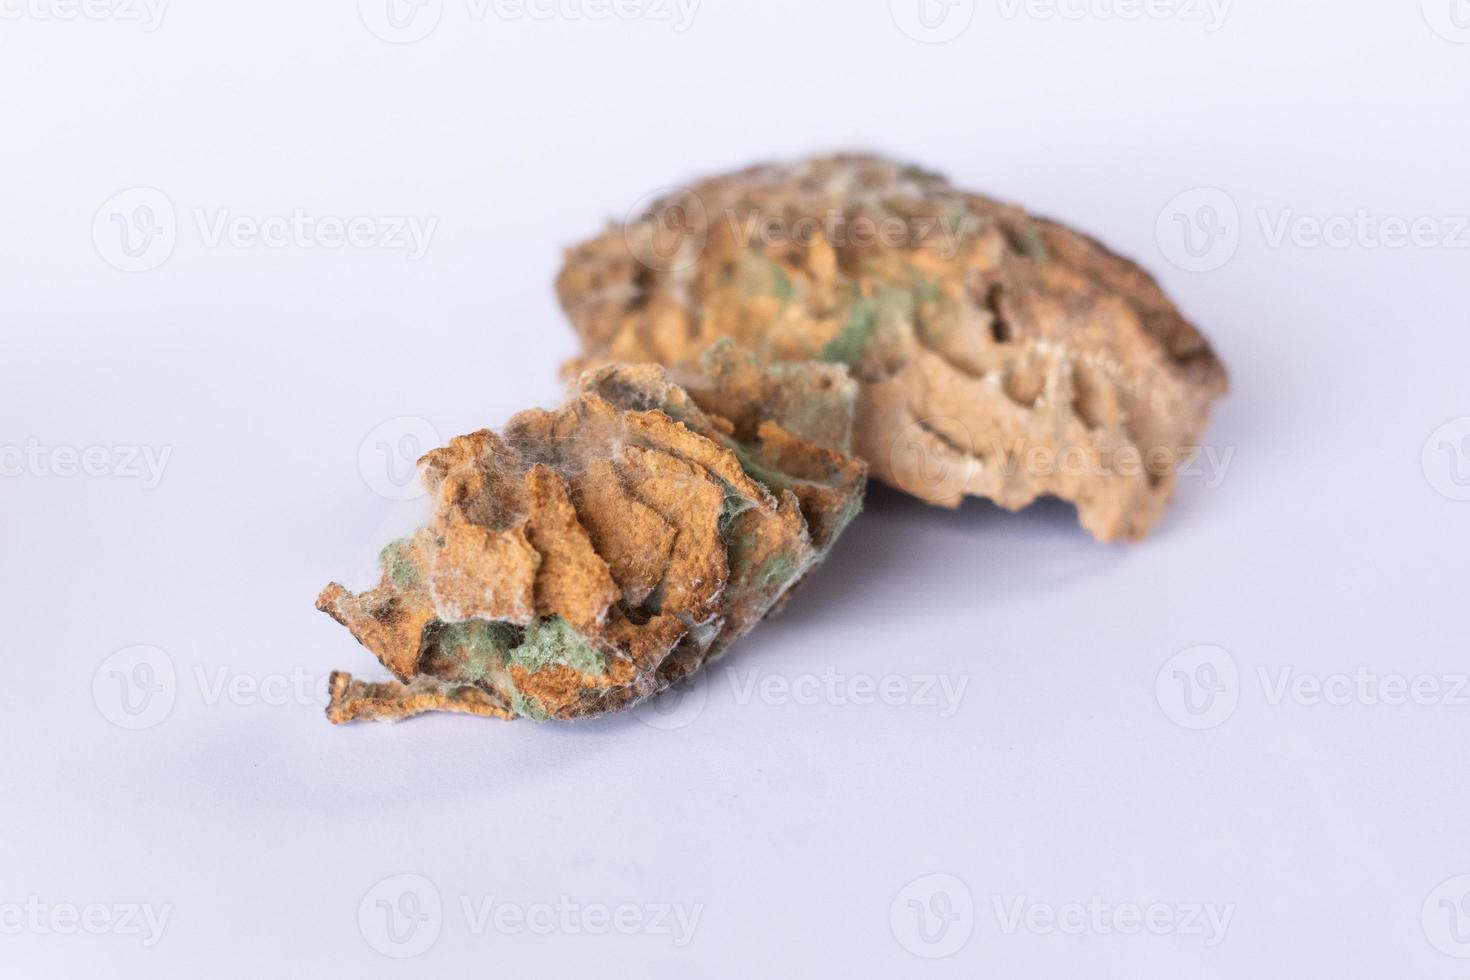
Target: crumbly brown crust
999	354
584	559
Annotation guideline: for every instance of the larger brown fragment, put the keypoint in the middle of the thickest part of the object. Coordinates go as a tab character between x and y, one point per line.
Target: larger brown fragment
999	354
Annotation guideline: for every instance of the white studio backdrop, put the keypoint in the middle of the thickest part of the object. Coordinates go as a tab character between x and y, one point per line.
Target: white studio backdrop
256	257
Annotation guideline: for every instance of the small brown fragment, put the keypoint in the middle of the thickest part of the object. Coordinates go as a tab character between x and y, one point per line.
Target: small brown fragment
586	558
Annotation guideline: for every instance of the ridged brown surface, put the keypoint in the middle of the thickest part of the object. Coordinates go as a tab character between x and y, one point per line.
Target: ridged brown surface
999	354
584	559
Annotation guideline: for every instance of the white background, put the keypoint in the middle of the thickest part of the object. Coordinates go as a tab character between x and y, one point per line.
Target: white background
1332	834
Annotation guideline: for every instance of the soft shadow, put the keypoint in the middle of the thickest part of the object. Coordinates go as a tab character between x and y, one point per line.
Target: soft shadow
908	555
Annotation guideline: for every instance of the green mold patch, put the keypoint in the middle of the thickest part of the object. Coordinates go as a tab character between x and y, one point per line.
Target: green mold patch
1033	247
527	707
852	510
734	530
864	319
553	642
399	568
928	291
781	285
817	419
674	411
920	175
764	276
857	333
735	504
822	415
739	546
744	455
775	570
482	646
